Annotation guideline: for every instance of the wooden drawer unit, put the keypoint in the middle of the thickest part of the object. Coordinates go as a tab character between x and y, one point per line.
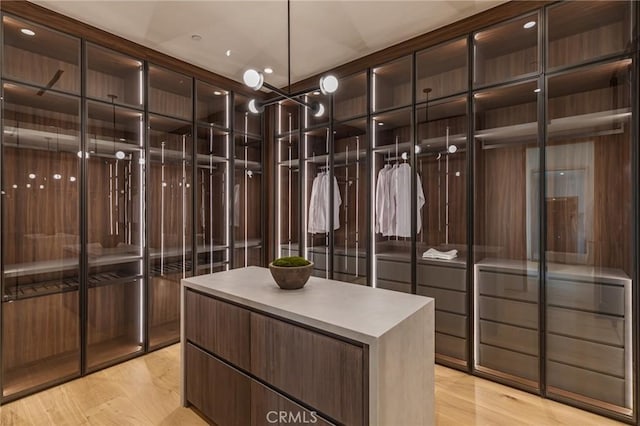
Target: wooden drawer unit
581	353
588	383
394	270
453	324
269	408
509	337
228	405
219	327
446	300
347	264
325	372
508	286
603	298
590	326
510	362
394	285
454	347
510	312
441	276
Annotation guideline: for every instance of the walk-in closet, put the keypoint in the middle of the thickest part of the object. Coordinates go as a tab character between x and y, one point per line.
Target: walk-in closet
494	172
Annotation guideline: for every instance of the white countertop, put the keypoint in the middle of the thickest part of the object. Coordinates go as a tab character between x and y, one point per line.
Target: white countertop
350	310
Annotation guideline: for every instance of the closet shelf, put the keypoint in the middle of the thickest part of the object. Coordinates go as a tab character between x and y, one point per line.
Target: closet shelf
565	126
111	278
45	288
41	267
339	157
170	268
203	249
250	243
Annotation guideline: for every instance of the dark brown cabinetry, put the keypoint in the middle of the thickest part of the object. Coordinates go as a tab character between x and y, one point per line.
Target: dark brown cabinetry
278	360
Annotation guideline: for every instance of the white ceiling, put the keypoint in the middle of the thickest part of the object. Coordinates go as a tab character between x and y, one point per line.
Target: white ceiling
324	34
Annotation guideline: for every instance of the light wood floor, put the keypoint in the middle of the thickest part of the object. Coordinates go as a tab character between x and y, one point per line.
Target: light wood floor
145	391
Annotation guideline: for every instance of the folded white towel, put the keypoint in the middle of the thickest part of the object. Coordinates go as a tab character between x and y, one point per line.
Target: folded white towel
436	254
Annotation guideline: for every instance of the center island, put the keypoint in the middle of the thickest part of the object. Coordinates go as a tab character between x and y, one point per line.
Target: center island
329	353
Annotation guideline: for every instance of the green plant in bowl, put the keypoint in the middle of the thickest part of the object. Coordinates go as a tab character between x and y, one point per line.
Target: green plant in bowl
291	272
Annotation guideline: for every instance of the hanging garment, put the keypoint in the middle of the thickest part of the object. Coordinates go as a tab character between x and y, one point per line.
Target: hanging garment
236	205
399	207
319	204
382	199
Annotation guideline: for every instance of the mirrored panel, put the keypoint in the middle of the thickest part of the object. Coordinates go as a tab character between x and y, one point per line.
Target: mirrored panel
114	77
213	105
212	200
586	30
441	161
170	93
115	237
169	227
391	84
589	237
350	170
442	70
41	238
506	233
38	55
507	51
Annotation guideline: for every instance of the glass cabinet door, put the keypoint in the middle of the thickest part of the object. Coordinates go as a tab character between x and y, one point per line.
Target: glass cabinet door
441	161
391	84
169	227
350	169
41	238
506	228
115	237
350	100
392	138
442	70
247	189
113	77
589	238
170	93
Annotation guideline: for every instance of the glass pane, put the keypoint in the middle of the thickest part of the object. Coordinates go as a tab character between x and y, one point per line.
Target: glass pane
247	202
391	84
114	77
392	176
115	238
507	51
442	70
41	237
213	105
212	200
287	117
169	227
317	200
585	30
323	114
169	93
246	121
589	235
442	241
38	55
506	233
351	98
287	196
350	169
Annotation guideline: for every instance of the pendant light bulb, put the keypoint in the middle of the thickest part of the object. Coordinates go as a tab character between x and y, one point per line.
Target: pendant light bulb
452	149
120	155
318	109
253	79
328	84
254	107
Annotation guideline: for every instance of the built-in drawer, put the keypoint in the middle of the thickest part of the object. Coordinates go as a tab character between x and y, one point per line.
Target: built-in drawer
601	328
347	265
393	285
446	300
394	271
325	372
510	286
269	408
451	346
580	353
585	382
506	361
225	405
453	324
219	327
319	260
608	299
511	312
442	277
509	337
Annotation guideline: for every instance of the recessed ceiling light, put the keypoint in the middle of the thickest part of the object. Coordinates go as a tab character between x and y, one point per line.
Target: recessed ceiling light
57	176
217	93
268	70
32	176
316	93
72	178
381	124
196	37
537	90
41	186
27	31
529	24
122	140
228	52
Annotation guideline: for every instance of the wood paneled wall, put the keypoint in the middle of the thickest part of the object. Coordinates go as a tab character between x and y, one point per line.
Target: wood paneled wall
38	328
113	312
164	293
40	69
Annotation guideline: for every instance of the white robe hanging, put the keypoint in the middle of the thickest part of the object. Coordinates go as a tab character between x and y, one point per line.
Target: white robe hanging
319	205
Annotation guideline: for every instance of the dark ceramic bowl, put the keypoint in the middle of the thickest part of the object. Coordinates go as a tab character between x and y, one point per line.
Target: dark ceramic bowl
291	278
